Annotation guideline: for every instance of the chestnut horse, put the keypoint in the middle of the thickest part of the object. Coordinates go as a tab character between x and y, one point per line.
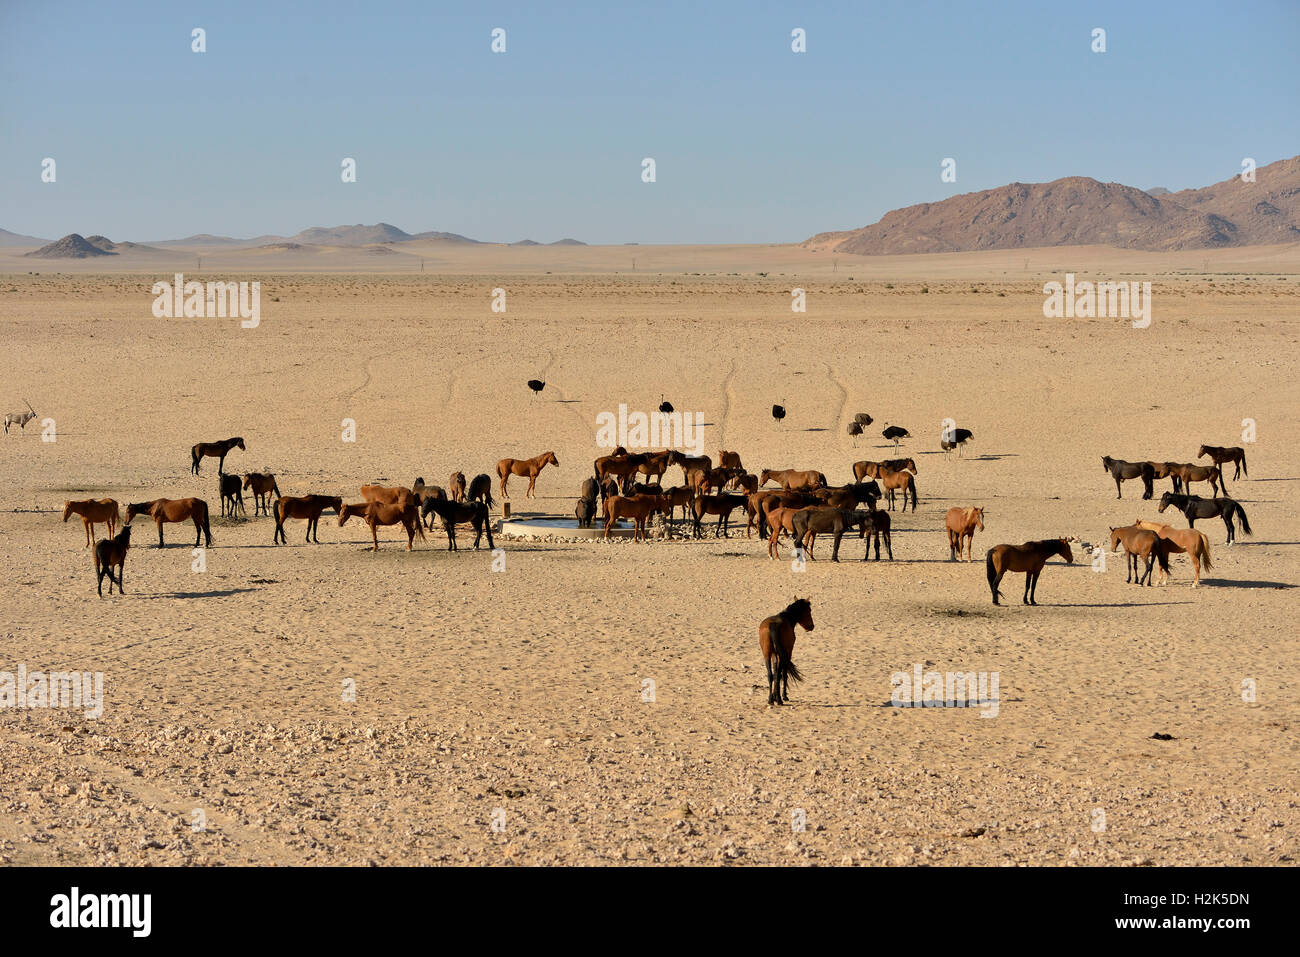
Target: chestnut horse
110	552
961	524
378	513
530	467
1028	558
388	495
307	507
1219	454
1180	540
719	505
91	511
164	510
216	450
689	463
262	484
1189	472
1140	543
776	642
656	464
636	507
793	480
456	486
891	481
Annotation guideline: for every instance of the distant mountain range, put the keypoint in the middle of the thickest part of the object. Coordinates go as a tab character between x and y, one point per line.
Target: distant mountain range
1079	211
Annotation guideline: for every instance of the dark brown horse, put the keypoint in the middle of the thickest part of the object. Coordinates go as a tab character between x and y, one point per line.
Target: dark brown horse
776	642
639	508
216	450
1028	558
719	505
232	497
165	510
1219	454
1190	472
480	490
1122	471
110	552
808	523
874	529
530	467
308	507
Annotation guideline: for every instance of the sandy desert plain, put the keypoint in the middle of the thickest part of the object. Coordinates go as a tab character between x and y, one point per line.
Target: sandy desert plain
521	690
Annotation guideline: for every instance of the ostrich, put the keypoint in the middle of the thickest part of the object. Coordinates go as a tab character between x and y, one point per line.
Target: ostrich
863	419
855	429
778	413
951	439
896	432
665	406
537	385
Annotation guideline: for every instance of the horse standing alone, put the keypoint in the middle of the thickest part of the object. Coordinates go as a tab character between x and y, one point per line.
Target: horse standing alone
1028	558
776	642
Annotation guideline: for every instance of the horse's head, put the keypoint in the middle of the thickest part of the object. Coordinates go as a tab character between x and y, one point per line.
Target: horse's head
800	612
67	510
248	480
979	517
1165	502
1202	451
1114	538
1105	463
1065	551
765	477
336	503
136	508
239	443
550	457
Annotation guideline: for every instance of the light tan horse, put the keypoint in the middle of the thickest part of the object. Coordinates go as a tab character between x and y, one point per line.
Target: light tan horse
793	480
1188	540
167	510
375	514
91	511
961	524
892	481
530	467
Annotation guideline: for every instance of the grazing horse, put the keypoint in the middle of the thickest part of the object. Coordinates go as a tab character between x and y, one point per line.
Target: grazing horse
776	642
307	507
961	524
793	480
262	484
1189	472
480	490
636	507
807	523
891	481
1194	507
1122	471
165	510
110	552
379	513
91	511
1028	558
1219	454
530	467
1188	540
230	489
456	486
1139	543
463	513
719	505
217	450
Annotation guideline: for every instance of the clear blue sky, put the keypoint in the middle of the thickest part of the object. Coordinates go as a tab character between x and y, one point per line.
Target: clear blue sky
753	143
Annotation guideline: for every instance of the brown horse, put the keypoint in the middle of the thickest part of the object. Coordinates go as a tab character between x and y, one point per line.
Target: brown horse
877	526
719	505
891	481
851	496
729	460
1028	558
388	495
655	465
1220	454
636	507
807	523
110	552
104	511
377	513
689	463
456	486
165	510
480	490
216	450
307	507
1190	472
1139	543
1180	540
1122	471
793	480
776	642
961	524
679	496
781	519
462	513
262	484
530	467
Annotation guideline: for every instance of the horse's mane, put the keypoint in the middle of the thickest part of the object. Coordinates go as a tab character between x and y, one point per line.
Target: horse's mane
796	608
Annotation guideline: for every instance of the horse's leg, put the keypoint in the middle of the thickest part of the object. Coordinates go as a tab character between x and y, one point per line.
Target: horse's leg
889	545
1029	577
158	522
1119	492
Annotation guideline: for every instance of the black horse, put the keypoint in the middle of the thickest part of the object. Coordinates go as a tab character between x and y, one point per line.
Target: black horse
1194	507
461	513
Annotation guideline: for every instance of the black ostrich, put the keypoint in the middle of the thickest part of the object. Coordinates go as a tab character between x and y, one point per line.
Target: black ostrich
665	406
951	439
778	413
537	385
863	419
896	432
855	429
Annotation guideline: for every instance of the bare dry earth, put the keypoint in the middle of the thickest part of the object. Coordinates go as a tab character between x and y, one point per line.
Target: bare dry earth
522	690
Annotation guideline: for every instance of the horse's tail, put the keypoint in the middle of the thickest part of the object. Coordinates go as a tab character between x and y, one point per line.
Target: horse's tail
275	488
911	487
1162	554
1205	550
194	459
419	525
1245	523
279	519
992	573
1244	471
793	673
207	530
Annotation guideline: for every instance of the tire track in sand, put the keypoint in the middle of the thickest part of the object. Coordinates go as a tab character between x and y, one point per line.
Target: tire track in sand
727	393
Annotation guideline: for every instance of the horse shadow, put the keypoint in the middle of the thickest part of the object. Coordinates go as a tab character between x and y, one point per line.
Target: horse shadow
1245	583
216	593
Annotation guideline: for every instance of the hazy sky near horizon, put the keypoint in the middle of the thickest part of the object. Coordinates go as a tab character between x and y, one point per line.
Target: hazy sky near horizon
752	142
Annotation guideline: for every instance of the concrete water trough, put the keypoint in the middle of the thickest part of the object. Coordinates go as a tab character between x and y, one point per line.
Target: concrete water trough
544	526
